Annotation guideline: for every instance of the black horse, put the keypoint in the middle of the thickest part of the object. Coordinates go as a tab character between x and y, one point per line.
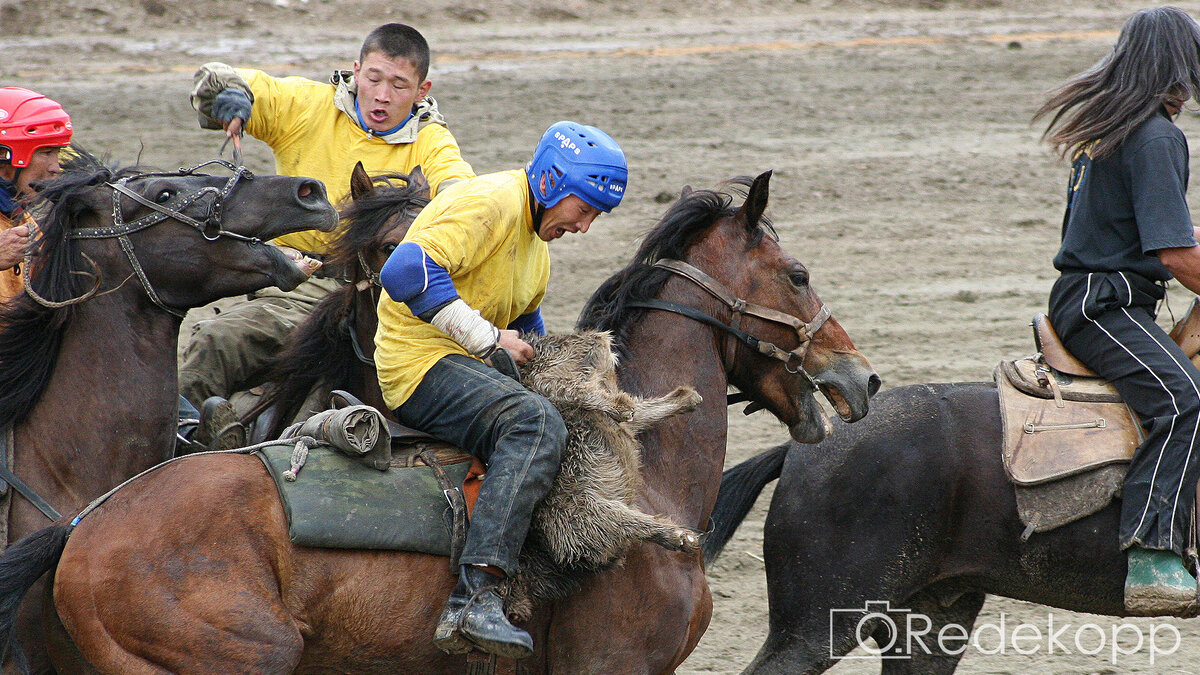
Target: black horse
333	347
910	506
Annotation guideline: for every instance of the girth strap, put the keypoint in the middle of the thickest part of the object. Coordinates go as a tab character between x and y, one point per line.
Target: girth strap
6	442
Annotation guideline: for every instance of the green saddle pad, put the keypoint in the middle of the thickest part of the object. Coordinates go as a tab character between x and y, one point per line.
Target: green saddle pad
337	502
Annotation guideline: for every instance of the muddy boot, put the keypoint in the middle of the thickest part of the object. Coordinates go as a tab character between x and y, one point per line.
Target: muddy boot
219	428
474	618
1158	584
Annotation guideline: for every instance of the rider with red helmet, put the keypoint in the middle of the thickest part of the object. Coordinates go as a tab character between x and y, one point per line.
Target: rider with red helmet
33	129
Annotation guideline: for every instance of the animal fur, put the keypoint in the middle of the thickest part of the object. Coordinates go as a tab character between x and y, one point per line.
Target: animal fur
587	522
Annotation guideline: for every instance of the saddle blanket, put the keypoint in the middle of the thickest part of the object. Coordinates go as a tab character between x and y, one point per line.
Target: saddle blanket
339	502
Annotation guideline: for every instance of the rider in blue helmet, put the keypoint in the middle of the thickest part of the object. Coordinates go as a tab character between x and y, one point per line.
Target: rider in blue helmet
464	284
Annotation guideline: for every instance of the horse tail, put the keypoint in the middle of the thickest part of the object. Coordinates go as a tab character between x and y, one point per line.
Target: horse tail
740	487
21	565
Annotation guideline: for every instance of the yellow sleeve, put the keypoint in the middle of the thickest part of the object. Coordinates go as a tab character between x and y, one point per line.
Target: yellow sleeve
280	103
464	236
440	159
533	306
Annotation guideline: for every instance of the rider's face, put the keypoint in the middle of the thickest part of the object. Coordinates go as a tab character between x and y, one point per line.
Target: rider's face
43	165
570	215
387	89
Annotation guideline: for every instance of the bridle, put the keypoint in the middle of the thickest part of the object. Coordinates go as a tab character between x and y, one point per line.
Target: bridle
805	331
209	224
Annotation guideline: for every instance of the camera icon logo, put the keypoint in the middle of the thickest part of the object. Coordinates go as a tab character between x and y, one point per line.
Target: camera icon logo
877	628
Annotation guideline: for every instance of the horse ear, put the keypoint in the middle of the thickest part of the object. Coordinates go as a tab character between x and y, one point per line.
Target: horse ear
687	190
417	179
756	200
360	182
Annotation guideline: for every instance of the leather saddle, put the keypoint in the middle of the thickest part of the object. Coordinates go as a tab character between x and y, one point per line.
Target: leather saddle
1068	436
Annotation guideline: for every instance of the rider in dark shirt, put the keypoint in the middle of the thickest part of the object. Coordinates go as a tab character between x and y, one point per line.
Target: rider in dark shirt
1126	232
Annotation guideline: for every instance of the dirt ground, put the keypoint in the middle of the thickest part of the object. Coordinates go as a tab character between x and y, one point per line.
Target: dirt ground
907	175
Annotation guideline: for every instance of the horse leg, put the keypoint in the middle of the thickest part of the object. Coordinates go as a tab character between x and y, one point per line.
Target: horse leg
919	631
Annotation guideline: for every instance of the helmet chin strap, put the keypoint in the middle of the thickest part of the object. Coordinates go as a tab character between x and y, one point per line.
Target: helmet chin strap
539	210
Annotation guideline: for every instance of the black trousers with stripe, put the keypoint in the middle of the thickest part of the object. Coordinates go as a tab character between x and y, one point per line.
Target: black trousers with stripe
1107	321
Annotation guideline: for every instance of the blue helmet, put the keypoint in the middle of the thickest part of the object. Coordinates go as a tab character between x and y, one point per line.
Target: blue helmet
575	159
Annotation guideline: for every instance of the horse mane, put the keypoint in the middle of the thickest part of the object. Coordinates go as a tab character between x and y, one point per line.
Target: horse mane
363	218
690	216
30	333
321	351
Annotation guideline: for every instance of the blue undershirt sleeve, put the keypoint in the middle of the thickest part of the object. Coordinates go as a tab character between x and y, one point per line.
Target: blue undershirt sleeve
529	323
412	277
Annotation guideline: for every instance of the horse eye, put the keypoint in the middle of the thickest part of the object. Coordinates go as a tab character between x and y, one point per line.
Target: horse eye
164	196
799	278
388	248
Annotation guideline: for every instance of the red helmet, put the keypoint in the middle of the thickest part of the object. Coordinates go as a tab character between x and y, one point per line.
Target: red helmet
29	122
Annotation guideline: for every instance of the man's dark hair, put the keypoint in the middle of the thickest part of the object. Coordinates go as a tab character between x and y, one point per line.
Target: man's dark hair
396	40
1156	56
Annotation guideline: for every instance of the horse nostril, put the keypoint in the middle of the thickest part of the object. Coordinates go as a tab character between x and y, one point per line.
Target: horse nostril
873	384
310	192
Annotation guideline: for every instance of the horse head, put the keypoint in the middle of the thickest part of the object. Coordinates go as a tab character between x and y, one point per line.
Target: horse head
376	218
814	352
723	266
187	237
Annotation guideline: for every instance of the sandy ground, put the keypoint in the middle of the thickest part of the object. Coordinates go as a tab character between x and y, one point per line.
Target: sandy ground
906	172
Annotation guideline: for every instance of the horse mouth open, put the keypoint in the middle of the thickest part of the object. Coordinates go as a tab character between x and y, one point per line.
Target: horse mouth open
848	386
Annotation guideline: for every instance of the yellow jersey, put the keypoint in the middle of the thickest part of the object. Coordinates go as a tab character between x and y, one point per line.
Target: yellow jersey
311	137
481	232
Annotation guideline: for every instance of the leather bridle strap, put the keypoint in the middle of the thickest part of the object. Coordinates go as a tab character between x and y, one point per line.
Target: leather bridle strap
805	331
120	230
759	346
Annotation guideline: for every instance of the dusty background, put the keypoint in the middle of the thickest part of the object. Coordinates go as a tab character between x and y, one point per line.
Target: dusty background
906	172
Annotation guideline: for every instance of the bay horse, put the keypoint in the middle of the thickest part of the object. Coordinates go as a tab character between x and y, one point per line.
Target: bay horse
913	507
334	347
87	353
188	569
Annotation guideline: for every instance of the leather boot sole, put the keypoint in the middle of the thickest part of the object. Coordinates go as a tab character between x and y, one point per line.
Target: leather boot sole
1143	602
505	650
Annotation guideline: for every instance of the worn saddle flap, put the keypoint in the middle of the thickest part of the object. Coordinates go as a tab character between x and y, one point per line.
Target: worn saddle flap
339	502
1046	439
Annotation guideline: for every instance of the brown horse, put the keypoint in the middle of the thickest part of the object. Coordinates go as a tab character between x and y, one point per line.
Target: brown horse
188	569
88	359
333	347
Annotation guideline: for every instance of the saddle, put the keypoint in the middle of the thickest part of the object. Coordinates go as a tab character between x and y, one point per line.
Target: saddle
1068	436
350	478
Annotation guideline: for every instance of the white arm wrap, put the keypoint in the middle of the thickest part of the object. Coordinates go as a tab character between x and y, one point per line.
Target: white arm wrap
475	333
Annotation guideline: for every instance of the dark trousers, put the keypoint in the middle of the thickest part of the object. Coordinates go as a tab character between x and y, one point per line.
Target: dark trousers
1107	321
516	433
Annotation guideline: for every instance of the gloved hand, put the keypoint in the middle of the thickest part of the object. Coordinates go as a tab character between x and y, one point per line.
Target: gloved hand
230	104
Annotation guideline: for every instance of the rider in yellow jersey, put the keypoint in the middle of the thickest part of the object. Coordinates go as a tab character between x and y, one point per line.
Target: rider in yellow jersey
379	113
469	276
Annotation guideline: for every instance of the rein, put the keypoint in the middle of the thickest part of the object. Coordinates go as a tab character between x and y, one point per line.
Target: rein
210	227
805	331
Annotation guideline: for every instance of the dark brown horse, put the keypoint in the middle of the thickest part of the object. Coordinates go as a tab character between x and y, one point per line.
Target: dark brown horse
913	507
334	347
88	359
188	569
